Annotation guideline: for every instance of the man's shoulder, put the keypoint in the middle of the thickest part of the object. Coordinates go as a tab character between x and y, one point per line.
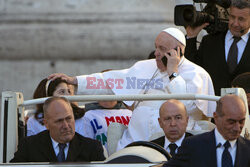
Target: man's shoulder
244	141
146	62
187	134
37	139
212	37
86	140
204	137
190	67
90	150
85	143
159	140
38	136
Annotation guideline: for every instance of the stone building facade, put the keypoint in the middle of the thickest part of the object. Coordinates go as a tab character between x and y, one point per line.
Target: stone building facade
40	37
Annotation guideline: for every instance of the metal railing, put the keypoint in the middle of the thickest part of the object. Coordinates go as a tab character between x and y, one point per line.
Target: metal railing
16	105
128	98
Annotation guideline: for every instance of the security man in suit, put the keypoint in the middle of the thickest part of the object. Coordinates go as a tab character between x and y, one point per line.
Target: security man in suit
173	120
59	142
227	54
223	146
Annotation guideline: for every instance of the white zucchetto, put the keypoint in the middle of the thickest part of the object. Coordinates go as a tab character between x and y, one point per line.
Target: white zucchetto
177	34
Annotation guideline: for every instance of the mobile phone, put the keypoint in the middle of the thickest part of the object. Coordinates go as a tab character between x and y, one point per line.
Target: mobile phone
164	59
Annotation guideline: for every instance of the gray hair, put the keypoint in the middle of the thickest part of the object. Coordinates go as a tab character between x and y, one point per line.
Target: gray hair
241	4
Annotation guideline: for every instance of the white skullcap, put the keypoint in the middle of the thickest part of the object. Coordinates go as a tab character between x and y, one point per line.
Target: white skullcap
177	34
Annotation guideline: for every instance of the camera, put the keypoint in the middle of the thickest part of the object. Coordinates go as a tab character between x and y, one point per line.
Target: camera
215	13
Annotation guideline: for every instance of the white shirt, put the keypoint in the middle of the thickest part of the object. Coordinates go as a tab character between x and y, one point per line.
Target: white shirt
56	148
95	122
241	44
178	143
219	139
144	121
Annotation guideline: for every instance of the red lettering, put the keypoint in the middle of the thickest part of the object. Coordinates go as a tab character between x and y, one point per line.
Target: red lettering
119	81
90	83
100	84
110	83
125	121
118	119
108	120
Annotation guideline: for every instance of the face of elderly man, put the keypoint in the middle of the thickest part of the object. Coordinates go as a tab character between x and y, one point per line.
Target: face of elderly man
165	44
230	116
59	120
173	119
239	21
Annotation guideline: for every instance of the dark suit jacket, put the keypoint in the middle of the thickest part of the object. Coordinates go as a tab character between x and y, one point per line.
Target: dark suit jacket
39	148
200	151
211	56
161	140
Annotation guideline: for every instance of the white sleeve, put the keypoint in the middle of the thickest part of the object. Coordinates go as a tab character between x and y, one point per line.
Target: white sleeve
87	128
179	86
93	84
34	127
30	125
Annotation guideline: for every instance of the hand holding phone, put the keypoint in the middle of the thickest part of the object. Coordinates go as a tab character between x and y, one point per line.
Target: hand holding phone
165	60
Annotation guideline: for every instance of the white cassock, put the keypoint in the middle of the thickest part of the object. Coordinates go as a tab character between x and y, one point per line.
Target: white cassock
144	121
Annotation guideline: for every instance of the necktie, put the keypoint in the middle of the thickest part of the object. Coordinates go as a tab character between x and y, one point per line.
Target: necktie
226	156
172	148
61	155
233	55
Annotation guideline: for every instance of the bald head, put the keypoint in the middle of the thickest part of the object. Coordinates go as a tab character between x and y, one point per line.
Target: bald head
230	116
59	119
230	101
173	105
54	101
173	119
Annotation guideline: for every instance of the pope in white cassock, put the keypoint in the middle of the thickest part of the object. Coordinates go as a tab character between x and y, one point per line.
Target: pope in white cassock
179	75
